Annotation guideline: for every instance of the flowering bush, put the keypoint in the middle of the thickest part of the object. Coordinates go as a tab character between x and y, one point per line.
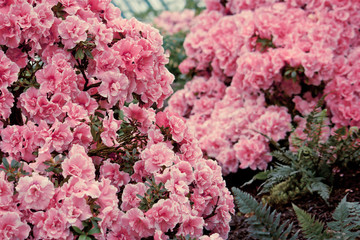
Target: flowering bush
262	65
80	160
173	22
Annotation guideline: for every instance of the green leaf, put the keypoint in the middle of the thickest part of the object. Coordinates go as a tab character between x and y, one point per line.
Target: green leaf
312	229
94	231
77	230
5	163
79	54
259	176
89	54
83	237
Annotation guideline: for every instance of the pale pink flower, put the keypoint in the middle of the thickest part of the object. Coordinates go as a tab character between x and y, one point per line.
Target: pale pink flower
35	192
78	164
11	226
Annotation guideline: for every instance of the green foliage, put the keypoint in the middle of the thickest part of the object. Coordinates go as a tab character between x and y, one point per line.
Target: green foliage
264	224
181	237
154	193
312	228
174	44
346	225
90	227
14	170
265	43
309	168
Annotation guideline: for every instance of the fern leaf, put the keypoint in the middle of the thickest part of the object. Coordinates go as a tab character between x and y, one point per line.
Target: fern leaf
284	156
264	224
347	220
321	188
313	229
277	175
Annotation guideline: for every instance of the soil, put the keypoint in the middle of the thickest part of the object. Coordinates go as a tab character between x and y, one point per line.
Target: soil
346	183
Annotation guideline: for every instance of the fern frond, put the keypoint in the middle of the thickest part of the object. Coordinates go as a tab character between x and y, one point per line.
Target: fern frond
277	175
321	188
312	228
264	224
284	156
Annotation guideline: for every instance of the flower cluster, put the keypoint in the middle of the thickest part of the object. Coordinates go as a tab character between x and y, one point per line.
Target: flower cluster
79	159
262	65
173	22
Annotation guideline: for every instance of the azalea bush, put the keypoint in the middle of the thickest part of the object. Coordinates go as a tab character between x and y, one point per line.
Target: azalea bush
84	156
260	68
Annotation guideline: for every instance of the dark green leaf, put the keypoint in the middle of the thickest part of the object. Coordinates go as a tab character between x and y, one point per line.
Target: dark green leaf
77	230
5	163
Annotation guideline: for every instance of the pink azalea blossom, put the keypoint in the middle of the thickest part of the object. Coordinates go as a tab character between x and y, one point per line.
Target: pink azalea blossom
35	192
11	226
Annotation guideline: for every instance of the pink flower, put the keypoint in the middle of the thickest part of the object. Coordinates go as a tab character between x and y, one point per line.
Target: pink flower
157	156
164	214
252	152
35	192
114	87
138	223
75	210
55	225
6	191
11	226
177	128
108	195
129	197
275	123
78	164
72	31
142	116
6	103
18	141
110	128
192	225
8	70
112	171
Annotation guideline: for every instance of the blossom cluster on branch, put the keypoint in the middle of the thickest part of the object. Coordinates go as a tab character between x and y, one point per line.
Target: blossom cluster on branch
83	154
260	67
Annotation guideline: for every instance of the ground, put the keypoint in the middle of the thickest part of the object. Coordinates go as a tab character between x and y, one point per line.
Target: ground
346	182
